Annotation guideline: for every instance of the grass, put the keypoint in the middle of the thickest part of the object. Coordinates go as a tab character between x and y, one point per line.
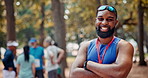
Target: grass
146	55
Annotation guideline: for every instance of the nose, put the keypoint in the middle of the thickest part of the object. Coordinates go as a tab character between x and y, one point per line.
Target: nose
104	22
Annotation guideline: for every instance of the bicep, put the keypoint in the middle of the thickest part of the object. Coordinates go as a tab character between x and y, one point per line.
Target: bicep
79	60
33	65
81	57
125	55
18	67
43	52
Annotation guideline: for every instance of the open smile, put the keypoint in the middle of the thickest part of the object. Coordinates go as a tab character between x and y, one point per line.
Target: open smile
104	28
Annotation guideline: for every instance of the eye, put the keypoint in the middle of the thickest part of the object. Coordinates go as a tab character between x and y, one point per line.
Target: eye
110	19
100	19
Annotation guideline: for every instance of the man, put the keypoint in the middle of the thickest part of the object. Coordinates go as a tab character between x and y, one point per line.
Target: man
8	61
107	56
54	57
38	53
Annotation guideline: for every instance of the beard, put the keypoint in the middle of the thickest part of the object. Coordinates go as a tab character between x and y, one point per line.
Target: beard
107	34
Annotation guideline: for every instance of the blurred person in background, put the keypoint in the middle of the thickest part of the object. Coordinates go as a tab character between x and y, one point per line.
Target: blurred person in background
25	64
54	57
9	70
38	53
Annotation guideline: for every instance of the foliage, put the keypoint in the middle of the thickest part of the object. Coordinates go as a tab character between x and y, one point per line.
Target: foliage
80	21
25	34
29	18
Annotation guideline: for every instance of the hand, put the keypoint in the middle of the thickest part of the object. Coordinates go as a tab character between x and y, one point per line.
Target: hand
52	62
10	69
57	62
43	70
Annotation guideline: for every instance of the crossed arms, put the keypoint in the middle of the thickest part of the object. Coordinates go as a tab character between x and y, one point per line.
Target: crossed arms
119	69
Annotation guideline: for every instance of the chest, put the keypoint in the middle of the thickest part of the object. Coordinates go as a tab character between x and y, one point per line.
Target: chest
37	53
108	57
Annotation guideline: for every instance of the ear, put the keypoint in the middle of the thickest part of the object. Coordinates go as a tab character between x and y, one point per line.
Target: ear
116	22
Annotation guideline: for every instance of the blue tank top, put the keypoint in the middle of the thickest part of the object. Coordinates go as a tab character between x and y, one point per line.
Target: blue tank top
110	56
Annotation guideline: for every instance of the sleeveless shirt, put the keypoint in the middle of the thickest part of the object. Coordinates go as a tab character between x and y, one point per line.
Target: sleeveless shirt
110	56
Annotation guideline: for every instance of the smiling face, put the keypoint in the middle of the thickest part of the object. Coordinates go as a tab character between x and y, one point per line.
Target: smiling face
105	23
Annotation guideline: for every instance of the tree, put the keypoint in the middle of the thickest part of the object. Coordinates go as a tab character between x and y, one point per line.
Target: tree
42	23
11	34
60	30
140	32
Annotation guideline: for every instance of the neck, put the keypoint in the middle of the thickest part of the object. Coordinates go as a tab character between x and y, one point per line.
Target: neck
105	40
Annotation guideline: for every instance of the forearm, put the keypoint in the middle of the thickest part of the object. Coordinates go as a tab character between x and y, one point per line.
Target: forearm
51	59
43	61
33	69
82	73
18	69
108	70
60	56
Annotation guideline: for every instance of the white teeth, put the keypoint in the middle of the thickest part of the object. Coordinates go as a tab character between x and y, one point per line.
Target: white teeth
104	28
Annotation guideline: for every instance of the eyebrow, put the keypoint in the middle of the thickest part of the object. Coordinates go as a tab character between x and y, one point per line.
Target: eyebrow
99	16
108	17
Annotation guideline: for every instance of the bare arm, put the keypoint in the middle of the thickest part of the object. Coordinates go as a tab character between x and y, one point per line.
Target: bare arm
51	56
61	54
43	60
77	70
120	68
33	69
43	64
18	68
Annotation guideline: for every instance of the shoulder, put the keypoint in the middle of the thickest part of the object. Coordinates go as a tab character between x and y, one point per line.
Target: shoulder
51	47
123	43
39	47
31	48
8	52
125	46
85	44
57	48
20	55
31	56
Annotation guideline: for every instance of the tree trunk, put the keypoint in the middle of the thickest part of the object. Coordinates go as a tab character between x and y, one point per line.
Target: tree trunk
146	40
140	34
60	30
42	23
0	53
11	34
